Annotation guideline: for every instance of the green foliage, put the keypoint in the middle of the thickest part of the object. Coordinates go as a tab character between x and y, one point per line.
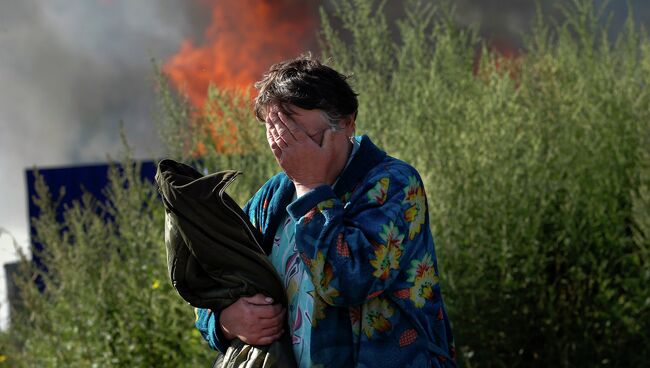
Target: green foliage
536	171
108	301
221	135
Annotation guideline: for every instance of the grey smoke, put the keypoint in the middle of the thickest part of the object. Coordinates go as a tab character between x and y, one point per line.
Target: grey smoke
505	21
509	19
70	71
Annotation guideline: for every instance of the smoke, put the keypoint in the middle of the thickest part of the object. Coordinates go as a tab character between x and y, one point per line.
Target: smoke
507	20
70	71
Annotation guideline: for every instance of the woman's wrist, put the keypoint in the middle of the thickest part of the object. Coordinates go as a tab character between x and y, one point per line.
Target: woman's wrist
224	332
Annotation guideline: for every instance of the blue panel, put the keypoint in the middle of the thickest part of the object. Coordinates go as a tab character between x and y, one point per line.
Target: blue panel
76	180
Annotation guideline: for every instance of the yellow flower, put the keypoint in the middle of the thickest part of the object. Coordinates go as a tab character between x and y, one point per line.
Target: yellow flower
379	192
423	276
415	214
376	317
156	284
2	358
329	203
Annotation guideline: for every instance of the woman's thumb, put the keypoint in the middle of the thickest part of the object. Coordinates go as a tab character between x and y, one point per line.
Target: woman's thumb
329	138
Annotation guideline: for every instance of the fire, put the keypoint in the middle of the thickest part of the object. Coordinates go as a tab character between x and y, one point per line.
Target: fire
507	59
244	38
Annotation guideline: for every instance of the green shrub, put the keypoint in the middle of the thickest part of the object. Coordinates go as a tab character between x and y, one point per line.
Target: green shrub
536	171
108	301
221	135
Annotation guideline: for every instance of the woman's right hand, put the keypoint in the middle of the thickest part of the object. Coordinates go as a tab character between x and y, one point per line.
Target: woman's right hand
254	320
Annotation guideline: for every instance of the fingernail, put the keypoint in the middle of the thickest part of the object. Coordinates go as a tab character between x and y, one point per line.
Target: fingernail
269	300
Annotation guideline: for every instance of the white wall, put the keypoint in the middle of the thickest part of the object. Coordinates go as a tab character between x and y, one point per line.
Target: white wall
9	240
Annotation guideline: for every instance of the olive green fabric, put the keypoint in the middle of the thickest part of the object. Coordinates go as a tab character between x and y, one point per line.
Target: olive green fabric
214	256
241	355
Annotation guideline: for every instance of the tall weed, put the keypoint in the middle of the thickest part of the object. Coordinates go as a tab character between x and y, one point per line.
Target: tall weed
536	170
107	301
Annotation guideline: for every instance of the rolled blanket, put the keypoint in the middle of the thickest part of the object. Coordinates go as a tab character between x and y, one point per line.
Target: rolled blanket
214	255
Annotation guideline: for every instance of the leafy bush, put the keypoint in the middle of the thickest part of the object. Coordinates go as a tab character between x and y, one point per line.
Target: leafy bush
536	170
221	135
107	300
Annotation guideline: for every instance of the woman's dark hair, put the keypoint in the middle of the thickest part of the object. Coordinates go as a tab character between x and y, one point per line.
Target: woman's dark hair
309	84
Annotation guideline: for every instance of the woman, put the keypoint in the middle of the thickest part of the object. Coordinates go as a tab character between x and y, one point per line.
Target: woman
347	229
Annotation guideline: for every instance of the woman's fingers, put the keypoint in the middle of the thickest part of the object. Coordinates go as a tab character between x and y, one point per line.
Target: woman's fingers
287	123
279	141
269	339
269	311
254	319
277	320
273	138
270	139
281	128
287	129
264	312
267	329
273	330
280	132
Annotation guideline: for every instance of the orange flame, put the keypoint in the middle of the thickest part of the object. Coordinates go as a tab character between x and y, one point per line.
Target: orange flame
507	59
244	38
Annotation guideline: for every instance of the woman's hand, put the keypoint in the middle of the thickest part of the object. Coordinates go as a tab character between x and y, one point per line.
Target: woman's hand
303	160
254	320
